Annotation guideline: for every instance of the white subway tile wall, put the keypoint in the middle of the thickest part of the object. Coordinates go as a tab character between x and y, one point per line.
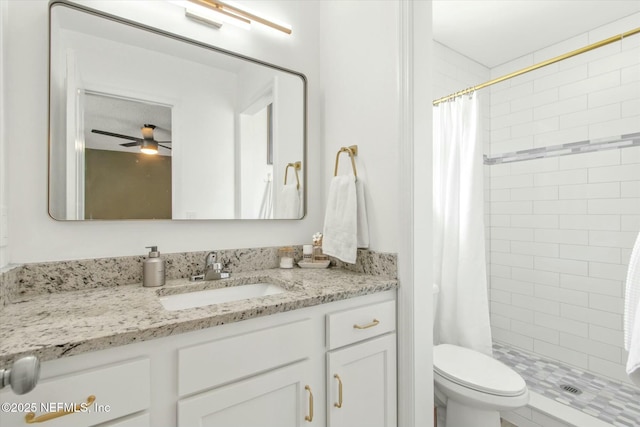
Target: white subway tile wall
561	228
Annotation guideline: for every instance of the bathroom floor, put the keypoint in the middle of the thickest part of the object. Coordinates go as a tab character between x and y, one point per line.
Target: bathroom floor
613	402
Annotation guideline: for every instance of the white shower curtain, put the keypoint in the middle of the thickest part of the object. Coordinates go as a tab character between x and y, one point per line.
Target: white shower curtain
458	202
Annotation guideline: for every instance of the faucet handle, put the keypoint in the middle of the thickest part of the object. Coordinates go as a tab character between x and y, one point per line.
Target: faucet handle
210	259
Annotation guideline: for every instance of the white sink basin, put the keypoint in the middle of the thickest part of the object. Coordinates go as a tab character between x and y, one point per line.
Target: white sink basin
219	296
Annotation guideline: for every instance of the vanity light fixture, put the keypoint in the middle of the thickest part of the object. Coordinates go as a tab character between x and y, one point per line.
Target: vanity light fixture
242	15
201	17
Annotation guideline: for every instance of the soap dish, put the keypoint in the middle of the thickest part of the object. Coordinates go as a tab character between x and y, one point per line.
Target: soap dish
321	264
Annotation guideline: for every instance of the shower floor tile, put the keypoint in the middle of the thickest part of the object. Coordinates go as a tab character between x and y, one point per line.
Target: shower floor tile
610	401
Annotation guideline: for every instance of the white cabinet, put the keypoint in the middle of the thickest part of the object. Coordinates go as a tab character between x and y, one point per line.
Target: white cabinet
360	323
270	371
138	420
83	397
278	398
222	361
268	377
362	384
361	367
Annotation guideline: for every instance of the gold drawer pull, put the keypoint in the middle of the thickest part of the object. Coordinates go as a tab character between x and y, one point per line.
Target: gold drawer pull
31	418
310	416
339	404
375	322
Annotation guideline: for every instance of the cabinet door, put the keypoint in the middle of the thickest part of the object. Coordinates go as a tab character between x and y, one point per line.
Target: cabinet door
366	373
276	398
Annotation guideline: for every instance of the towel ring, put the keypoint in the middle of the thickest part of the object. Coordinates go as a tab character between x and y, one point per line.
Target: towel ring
296	167
352	150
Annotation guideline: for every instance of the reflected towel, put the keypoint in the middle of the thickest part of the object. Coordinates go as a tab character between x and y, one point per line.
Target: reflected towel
289	203
345	222
266	205
632	314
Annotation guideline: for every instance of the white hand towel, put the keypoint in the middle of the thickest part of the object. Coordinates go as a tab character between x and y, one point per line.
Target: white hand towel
363	224
289	203
632	314
339	235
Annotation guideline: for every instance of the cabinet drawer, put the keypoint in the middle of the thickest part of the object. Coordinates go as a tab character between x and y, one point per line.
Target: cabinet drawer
225	360
276	398
357	324
117	390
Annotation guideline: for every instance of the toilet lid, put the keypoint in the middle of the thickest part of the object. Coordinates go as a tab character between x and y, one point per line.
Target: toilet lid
477	371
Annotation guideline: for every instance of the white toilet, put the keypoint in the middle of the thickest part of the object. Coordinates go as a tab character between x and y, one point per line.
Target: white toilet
473	386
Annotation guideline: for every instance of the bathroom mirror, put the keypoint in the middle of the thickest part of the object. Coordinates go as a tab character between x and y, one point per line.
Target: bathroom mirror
226	130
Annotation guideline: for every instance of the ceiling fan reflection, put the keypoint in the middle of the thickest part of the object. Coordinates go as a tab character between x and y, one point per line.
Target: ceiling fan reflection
147	143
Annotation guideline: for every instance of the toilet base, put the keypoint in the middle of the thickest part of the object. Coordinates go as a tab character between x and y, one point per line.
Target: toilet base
459	415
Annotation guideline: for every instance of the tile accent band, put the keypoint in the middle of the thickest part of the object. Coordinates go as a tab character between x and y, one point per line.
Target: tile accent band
622	141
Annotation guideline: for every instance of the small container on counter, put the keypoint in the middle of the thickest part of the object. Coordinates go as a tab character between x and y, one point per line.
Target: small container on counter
153	269
286	257
307	253
317	255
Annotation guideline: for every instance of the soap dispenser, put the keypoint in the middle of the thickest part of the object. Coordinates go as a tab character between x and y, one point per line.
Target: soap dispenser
153	269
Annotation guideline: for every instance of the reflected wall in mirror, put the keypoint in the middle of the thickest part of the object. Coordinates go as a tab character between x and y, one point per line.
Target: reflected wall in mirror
225	127
121	181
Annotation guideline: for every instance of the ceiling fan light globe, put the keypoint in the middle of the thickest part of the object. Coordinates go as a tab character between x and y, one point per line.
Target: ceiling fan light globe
149	147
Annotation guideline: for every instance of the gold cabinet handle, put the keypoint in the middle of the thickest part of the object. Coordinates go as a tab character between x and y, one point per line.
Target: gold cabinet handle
375	322
31	418
310	416
339	404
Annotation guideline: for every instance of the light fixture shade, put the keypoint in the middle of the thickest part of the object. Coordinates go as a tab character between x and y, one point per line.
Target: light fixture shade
203	17
149	146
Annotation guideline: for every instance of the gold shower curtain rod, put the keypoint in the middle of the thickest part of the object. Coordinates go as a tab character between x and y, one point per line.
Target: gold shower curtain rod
540	65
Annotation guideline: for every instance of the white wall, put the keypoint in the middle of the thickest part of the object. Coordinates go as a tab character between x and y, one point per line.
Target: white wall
562	228
415	260
572	100
4	218
36	237
254	187
359	78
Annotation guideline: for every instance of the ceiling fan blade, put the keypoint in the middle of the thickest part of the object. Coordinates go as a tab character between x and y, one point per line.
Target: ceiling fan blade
130	144
164	146
163	142
116	135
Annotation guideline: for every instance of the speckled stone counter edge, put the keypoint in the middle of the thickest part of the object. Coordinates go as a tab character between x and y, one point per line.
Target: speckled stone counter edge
8	283
22	282
63	324
372	263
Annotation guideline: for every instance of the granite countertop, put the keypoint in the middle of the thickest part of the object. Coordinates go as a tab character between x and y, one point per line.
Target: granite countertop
61	324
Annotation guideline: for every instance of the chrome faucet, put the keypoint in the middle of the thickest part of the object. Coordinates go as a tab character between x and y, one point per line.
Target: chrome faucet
212	269
210	260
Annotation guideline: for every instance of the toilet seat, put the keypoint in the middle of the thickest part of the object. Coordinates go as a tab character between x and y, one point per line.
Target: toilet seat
477	371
